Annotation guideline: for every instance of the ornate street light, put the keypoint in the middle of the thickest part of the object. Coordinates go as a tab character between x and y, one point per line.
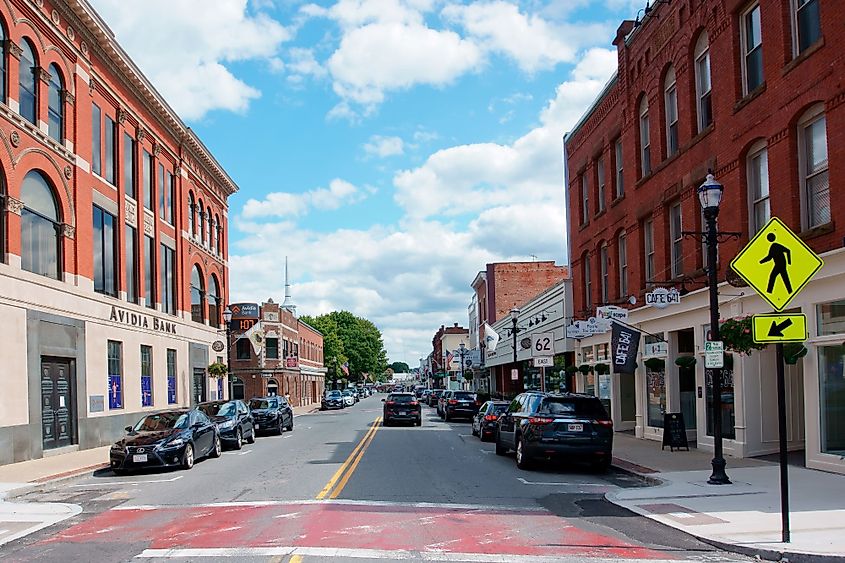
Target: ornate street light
227	319
514	319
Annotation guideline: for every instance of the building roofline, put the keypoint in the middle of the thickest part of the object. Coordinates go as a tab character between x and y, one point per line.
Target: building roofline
309	326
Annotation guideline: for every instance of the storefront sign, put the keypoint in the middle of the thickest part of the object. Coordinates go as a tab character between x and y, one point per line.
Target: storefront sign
577	330
660	349
612	313
662	297
292	362
624	345
218	346
244	310
514	375
138	320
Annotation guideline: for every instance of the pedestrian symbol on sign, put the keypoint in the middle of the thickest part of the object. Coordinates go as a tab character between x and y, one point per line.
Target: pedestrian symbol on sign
782	258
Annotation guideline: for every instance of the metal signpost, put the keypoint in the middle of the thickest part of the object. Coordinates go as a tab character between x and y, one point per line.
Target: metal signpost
543	351
778	265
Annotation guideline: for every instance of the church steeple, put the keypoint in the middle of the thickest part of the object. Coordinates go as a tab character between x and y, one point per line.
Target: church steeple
288	303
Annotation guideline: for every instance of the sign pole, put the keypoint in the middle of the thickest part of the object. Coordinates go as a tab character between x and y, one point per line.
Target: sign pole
784	473
543	379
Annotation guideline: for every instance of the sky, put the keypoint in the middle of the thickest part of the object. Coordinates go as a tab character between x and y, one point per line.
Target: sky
389	148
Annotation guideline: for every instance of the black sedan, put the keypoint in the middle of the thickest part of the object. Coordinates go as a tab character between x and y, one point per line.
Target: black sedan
233	419
176	437
484	423
271	414
402	407
332	400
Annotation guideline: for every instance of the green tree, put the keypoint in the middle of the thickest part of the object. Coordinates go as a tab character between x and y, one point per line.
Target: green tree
400	367
353	339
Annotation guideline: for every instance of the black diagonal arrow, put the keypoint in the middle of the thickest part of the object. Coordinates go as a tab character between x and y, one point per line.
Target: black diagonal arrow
776	329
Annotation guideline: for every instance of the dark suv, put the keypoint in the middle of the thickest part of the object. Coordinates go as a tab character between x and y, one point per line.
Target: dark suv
233	419
271	414
402	407
458	404
567	426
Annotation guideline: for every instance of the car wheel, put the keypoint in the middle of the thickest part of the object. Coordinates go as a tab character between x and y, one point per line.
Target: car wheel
446	416
602	466
474	431
218	448
290	426
483	437
419	421
239	439
251	439
188	457
281	427
386	422
522	460
500	449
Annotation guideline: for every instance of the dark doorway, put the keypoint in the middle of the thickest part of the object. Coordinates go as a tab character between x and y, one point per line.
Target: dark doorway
236	389
199	388
58	406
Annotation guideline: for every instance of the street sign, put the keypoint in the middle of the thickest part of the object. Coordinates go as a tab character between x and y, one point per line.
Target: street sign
714	354
777	264
779	328
543	344
514	375
544	362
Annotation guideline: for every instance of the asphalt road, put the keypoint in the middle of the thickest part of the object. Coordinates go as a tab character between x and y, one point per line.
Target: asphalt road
343	487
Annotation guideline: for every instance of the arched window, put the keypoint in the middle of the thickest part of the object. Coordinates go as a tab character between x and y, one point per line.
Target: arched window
55	108
645	142
2	215
40	246
201	216
213	301
214	234
670	99
604	273
197	295
272	388
28	83
3	63
588	278
236	389
757	168
622	259
192	219
703	107
207	238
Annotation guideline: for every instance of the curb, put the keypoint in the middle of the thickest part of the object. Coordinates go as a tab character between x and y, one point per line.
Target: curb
637	471
57	478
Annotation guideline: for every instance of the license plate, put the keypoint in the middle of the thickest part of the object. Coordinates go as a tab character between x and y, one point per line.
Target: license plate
255	426
139	458
403	413
575	427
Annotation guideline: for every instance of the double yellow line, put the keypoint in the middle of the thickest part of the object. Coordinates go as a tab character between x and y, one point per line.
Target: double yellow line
338	481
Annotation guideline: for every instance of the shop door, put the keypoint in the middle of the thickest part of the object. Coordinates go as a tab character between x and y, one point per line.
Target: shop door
58	408
686	380
628	397
199	390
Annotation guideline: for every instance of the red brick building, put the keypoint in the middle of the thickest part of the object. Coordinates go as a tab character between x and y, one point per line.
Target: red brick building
753	91
113	231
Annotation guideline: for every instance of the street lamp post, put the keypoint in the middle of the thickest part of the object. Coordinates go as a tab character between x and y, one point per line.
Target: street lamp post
462	347
227	318
710	196
514	320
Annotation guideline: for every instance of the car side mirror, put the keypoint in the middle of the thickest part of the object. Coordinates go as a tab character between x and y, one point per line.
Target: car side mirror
128	429
383	400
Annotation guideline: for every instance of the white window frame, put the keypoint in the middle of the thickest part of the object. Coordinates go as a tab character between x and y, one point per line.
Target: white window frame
588	282
645	139
620	164
757	170
648	249
670	103
812	116
602	191
604	271
702	58
585	199
676	240
622	251
746	49
796	6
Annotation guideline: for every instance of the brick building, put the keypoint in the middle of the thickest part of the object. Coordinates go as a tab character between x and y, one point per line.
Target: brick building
447	338
753	91
113	230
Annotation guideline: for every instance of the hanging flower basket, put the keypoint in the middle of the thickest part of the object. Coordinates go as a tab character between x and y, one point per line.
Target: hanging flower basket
685	361
468	375
585	368
570	369
602	369
736	334
792	352
218	369
655	364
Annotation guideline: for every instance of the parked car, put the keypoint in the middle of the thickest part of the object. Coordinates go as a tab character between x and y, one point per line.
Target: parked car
434	397
348	398
543	425
485	420
271	414
332	400
233	419
441	402
459	404
176	437
424	397
402	407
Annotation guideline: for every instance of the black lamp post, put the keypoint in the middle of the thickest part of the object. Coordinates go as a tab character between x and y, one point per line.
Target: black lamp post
227	318
710	196
514	330
462	347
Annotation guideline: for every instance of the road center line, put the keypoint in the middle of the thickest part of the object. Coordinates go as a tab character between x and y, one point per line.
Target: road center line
355	462
323	493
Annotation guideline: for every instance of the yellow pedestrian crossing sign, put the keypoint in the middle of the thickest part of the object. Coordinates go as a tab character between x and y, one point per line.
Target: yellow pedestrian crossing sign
779	328
777	264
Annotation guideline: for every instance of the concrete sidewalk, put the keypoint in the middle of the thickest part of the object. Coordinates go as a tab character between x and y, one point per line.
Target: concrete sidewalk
744	516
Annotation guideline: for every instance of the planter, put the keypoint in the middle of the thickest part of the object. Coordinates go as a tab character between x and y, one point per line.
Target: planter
685	361
585	368
655	364
218	369
602	369
793	352
736	334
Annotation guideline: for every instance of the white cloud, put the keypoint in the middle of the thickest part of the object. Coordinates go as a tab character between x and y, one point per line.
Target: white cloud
287	204
384	146
183	52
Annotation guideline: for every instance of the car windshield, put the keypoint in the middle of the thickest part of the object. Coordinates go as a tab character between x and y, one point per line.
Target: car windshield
463	396
219	409
256	404
162	421
333	394
403	398
573	408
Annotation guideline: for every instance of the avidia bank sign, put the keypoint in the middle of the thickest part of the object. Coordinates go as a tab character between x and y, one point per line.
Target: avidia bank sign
138	320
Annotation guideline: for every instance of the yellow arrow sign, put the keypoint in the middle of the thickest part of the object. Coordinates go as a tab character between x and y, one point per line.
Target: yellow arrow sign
777	264
779	328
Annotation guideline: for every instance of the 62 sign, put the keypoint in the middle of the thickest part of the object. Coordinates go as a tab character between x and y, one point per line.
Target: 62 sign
543	344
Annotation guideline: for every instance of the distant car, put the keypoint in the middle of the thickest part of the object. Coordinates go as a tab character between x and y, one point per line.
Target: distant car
441	402
348	398
402	407
484	422
176	437
332	400
459	404
419	392
434	397
271	414
569	426
424	397
233	419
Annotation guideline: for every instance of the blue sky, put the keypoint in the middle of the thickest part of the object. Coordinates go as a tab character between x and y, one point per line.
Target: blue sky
390	148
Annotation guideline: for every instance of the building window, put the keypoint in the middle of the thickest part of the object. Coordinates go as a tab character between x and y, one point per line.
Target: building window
40	225
115	368
812	132
148	180
588	282
161	194
146	376
128	166
758	186
168	280
585	199
105	256
201	226
807	27
831	320
131	269
670	98
207	238
655	380
197	296
111	149
96	140
55	106
752	49
171	376
272	348
214	232
4	67
676	239
242	349
218	237
622	243
149	271
272	388
192	219
28	83
645	142
620	180
3	204
214	301
171	196
702	82
648	249
604	280
601	185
